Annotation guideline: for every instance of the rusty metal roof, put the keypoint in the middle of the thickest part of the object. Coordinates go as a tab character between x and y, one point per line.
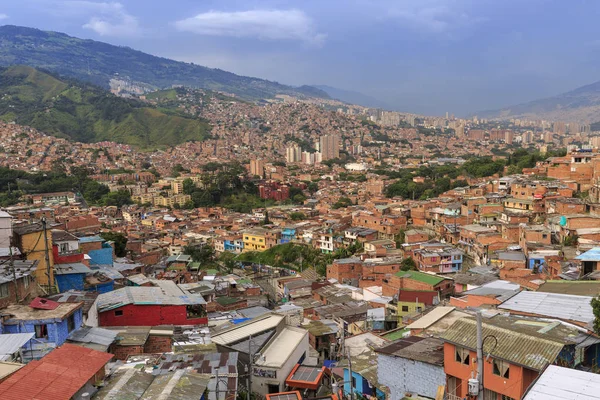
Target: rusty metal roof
531	351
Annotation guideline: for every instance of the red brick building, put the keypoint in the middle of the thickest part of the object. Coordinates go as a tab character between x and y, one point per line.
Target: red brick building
151	306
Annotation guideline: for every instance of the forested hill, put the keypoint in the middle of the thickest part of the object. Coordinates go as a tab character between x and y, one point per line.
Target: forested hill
88	113
98	62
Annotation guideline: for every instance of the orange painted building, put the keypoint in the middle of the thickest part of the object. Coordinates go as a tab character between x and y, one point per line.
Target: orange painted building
507	372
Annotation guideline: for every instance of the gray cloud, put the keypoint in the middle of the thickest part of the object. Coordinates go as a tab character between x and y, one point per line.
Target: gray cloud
261	24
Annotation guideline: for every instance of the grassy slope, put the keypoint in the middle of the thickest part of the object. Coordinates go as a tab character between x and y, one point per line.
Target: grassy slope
89	114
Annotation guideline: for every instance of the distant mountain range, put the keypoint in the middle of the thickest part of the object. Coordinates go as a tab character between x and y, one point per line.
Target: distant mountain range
348	96
98	62
88	113
580	105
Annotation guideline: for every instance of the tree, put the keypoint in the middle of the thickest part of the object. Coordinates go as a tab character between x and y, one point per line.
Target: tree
188	186
400	237
119	240
343	202
118	198
227	260
94	191
202	254
596	310
297	216
81	175
408	264
299	199
266	220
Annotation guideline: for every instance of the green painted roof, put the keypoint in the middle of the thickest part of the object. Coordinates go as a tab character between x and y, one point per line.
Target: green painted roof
421	277
395	335
225	300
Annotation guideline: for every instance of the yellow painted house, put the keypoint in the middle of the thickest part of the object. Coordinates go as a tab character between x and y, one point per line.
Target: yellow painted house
255	240
30	241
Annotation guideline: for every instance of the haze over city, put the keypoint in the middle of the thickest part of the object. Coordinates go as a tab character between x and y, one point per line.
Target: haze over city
420	56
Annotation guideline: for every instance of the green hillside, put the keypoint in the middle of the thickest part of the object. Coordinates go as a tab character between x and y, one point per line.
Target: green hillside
87	113
98	62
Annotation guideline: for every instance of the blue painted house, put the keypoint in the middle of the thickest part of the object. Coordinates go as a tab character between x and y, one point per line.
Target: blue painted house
364	378
536	260
288	235
234	244
70	276
98	249
49	321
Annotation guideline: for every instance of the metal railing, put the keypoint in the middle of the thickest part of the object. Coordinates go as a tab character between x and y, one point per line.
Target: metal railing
452	397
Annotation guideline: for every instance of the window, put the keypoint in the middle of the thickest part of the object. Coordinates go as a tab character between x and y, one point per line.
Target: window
501	368
419	309
404	308
354	382
462	356
505	397
41	331
64	247
118	313
4	290
26	281
71	323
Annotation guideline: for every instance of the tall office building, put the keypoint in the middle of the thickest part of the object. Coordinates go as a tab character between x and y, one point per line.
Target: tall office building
329	146
559	128
293	154
257	167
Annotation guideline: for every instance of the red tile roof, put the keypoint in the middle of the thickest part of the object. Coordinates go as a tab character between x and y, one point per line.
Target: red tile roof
57	376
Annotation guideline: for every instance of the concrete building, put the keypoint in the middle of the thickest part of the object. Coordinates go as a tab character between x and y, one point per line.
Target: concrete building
278	358
412	365
329	147
5	229
257	167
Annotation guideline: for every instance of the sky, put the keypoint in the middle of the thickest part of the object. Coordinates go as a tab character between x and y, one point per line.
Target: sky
423	56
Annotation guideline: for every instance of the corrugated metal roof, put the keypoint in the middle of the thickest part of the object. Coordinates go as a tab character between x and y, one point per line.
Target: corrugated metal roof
590	255
431	318
88	334
242	331
181	384
10	343
558	383
142	295
562	306
71	268
518	348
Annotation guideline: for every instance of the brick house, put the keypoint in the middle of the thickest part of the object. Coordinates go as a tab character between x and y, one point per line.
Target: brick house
26	289
414	280
150	306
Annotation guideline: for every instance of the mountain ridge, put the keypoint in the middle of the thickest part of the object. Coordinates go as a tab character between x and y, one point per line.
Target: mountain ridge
580	105
98	62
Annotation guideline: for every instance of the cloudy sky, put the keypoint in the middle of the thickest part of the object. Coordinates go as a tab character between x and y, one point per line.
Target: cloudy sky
424	56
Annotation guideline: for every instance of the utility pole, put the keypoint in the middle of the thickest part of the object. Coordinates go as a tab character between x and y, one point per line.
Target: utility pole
479	356
249	376
217	386
47	254
350	369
